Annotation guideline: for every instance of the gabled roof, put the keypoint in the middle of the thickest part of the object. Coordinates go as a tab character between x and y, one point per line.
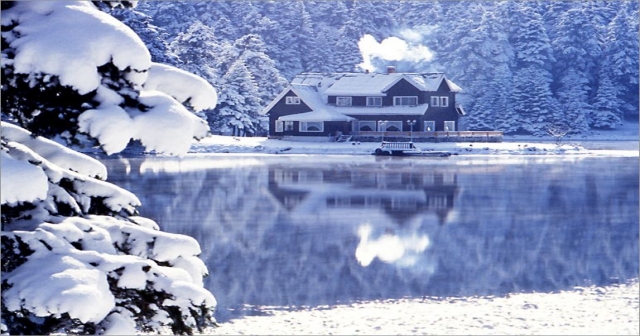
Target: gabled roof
371	84
307	93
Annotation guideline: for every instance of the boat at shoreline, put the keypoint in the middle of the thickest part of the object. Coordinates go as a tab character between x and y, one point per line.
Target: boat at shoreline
405	149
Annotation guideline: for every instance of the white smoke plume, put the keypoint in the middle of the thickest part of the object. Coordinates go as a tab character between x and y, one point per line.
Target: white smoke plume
391	49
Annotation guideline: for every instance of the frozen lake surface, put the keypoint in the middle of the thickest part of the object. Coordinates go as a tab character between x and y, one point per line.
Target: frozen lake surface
311	231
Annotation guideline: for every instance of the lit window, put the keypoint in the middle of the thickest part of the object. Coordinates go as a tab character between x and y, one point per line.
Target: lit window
343	101
374	101
449	126
279	126
291	100
405	100
311	126
429	126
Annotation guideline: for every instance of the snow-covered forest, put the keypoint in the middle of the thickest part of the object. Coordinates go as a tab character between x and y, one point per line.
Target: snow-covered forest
523	65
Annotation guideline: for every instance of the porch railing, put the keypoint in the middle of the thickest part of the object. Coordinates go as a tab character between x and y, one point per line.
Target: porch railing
438	136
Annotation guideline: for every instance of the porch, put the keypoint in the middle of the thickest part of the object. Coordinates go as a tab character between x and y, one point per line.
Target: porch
438	136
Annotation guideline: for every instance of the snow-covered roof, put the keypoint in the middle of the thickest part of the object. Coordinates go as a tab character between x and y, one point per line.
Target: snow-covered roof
362	85
370	84
383	110
317	115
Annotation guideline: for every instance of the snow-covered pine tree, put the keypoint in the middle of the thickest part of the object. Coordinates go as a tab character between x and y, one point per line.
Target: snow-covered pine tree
346	54
494	101
239	104
622	57
533	103
269	82
76	257
198	50
606	105
576	49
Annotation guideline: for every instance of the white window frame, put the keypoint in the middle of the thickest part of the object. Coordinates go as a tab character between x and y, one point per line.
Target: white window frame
397	124
343	101
374	101
288	125
398	100
430	123
370	123
304	126
279	126
440	101
292	100
450	126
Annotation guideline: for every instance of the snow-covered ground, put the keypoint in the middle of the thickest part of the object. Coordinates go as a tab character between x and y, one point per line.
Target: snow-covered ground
610	310
622	142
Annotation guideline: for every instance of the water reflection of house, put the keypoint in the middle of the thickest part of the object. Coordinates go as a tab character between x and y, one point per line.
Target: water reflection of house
399	194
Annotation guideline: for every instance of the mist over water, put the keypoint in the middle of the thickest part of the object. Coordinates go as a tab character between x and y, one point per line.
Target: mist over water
310	231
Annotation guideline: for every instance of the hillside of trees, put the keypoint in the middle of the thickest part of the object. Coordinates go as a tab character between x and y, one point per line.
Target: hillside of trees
524	66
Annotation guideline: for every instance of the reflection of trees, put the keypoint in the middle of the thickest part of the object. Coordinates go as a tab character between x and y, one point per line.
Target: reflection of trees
291	239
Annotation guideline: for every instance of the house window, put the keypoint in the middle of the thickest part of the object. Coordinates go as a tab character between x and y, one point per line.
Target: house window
279	126
405	100
390	126
366	126
429	126
343	101
288	125
449	126
311	126
374	101
440	101
291	100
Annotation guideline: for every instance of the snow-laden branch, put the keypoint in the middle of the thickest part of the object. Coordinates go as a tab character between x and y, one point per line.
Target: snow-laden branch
182	85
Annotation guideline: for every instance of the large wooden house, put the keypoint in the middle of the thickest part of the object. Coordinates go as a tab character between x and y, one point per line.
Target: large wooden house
361	104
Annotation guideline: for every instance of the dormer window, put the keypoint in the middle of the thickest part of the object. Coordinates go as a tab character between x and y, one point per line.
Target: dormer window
440	101
292	100
405	101
374	101
343	101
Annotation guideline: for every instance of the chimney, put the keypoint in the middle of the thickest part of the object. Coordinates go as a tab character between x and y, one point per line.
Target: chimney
391	69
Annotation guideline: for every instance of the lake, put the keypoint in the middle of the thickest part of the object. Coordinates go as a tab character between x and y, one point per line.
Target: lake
297	231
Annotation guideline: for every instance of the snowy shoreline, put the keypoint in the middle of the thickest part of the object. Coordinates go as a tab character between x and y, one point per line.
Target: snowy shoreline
610	310
513	146
620	142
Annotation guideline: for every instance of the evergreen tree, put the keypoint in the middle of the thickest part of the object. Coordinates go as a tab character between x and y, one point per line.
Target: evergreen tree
198	50
534	106
533	103
576	49
239	103
606	105
621	55
347	55
269	82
